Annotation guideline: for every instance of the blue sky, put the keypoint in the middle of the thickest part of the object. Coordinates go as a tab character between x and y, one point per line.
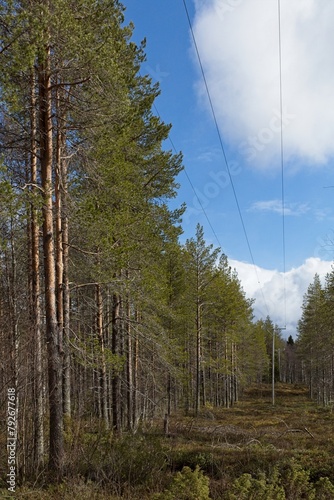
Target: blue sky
238	44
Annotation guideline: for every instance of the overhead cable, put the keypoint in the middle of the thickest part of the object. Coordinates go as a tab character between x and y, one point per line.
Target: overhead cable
223	148
282	154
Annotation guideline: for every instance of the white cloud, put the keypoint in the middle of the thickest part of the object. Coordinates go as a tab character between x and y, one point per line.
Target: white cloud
277	294
276	207
238	44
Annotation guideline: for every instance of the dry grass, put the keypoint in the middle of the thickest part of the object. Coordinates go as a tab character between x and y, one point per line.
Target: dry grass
252	436
256	436
293	419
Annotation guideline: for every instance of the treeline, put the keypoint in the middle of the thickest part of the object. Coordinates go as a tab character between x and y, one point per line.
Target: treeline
316	340
104	316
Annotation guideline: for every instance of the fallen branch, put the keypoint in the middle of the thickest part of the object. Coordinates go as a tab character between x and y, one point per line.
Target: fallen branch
252	441
296	430
281	420
308	432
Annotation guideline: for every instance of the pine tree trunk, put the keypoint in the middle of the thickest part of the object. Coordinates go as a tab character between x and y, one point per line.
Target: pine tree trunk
63	293
15	341
226	377
66	298
116	404
56	453
59	239
203	386
235	374
169	393
129	368
103	369
135	376
35	291
198	358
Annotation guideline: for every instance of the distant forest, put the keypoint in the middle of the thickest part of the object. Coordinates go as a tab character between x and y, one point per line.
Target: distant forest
105	317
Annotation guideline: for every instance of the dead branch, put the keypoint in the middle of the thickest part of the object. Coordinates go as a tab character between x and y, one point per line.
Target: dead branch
308	432
281	420
296	430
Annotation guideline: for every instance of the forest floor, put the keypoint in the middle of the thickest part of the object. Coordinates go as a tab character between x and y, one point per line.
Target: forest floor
252	437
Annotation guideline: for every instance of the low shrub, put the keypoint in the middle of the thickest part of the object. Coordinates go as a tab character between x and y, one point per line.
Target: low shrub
262	488
187	485
134	460
292	482
205	459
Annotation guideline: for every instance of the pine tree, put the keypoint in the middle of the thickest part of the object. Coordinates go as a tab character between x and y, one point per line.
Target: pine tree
310	333
200	268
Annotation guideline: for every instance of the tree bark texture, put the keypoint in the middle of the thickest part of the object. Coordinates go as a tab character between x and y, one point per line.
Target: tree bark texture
35	287
56	451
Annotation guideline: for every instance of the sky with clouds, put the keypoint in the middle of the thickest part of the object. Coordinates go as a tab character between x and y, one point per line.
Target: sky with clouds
239	48
238	43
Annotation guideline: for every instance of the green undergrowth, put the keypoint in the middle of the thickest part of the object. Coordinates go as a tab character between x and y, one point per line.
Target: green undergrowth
253	450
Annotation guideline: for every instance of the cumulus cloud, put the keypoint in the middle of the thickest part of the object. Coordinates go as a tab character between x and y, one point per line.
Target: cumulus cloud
238	44
277	294
275	206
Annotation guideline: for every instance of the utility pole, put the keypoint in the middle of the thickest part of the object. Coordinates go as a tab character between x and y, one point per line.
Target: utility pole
273	369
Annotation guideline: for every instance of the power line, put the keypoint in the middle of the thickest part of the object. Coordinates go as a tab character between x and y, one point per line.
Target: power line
193	188
218	132
223	148
200	204
282	153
